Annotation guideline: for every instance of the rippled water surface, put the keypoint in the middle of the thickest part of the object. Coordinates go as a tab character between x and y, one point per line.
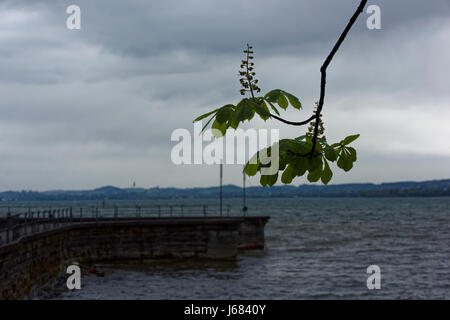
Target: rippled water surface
316	248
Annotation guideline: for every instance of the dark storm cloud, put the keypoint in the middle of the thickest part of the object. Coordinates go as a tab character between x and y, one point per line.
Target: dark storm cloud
97	105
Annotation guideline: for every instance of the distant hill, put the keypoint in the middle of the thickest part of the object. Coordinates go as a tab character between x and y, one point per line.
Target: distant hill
433	188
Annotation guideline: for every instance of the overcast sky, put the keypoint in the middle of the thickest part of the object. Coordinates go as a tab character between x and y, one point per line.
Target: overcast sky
85	108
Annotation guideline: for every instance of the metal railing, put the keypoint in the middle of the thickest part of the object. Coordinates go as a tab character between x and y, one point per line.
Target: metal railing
17	225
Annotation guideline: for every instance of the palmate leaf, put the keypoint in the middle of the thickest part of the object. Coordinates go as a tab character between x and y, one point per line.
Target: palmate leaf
345	161
247	107
281	98
295	159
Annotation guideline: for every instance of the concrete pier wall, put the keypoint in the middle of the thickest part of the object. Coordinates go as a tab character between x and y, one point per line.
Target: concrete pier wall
35	258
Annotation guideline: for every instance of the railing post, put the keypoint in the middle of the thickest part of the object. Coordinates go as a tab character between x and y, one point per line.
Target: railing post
32	222
71	217
116	212
181	207
81	214
171	210
159	211
38	221
204	210
25	224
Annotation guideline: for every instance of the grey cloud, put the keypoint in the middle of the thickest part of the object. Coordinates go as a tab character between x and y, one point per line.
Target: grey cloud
97	106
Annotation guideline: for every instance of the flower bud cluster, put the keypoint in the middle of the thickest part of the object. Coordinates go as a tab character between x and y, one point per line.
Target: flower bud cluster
247	73
312	124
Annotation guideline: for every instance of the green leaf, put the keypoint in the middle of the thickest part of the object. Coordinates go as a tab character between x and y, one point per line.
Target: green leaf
282	102
349	139
288	175
314	176
234	123
330	154
293	100
299	147
263	180
251	169
327	173
314	163
243	111
273	95
283	160
203	116
222	127
268	180
272	179
300	165
261	109
352	152
204	127
334	145
224	114
345	162
273	108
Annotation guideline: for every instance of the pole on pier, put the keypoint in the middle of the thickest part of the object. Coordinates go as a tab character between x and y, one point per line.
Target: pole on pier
221	180
244	200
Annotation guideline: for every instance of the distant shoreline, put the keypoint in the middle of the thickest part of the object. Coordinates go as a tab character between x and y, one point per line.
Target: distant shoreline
432	188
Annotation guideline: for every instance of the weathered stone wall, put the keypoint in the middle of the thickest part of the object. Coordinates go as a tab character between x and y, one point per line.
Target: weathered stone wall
36	258
251	233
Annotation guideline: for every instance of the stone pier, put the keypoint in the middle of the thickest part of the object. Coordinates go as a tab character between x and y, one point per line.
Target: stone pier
35	258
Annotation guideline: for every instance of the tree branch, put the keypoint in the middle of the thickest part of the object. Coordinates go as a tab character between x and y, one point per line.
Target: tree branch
323	69
293	123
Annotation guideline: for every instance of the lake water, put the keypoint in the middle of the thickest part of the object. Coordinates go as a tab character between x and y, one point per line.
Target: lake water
316	248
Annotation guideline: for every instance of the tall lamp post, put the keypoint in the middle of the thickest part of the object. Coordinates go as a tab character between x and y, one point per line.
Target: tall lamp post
221	178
